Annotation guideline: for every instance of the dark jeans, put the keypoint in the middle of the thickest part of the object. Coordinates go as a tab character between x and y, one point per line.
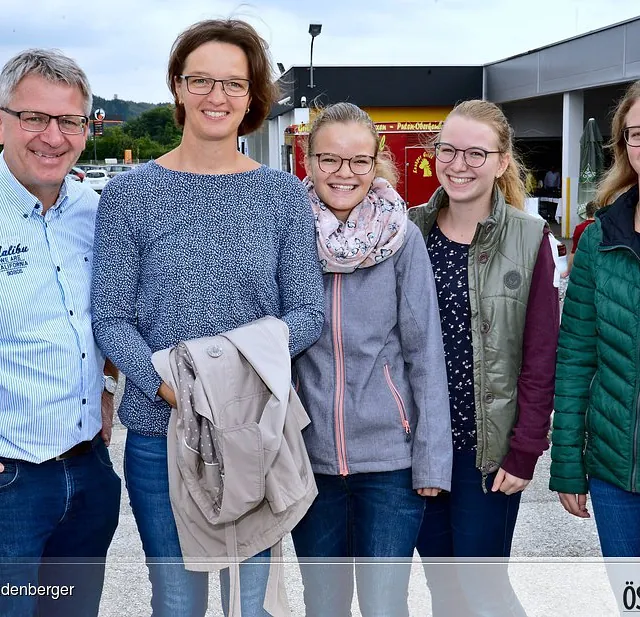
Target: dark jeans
469	523
617	514
365	515
57	521
176	591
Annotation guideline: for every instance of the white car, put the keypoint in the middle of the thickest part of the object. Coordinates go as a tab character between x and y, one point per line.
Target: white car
97	179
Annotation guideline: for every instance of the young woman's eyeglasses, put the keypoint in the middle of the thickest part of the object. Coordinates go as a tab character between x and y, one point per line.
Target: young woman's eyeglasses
360	164
37	122
196	84
632	136
473	157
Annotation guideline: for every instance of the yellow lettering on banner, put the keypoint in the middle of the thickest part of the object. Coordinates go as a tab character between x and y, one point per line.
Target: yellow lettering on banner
419	126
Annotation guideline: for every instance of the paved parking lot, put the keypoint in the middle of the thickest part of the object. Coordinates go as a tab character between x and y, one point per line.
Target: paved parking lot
556	568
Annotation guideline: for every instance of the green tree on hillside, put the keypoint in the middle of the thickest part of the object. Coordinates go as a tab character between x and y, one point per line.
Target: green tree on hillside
157	124
148	136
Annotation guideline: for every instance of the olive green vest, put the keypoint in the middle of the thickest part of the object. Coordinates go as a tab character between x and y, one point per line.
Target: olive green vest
502	256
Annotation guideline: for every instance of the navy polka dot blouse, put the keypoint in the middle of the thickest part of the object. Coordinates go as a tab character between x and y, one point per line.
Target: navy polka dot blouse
180	256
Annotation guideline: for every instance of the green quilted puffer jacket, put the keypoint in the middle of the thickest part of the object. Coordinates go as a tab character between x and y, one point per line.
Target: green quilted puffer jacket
596	427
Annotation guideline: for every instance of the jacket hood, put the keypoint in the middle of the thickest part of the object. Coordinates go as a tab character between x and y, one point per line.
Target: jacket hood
617	222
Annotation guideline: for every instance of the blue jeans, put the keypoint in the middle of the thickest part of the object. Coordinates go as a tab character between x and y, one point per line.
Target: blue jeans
57	513
176	591
617	514
365	515
469	523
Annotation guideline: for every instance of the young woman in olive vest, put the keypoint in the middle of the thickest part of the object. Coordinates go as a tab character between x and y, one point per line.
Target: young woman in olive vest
494	273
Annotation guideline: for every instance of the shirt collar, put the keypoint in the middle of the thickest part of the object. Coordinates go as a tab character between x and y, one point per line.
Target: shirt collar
18	195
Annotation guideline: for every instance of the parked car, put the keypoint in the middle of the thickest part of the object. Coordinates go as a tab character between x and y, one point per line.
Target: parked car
75	173
97	179
114	170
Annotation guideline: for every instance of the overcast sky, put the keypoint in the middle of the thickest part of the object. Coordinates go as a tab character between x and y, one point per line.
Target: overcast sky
123	45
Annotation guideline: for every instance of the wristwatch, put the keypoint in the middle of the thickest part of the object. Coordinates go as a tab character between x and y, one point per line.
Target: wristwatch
109	384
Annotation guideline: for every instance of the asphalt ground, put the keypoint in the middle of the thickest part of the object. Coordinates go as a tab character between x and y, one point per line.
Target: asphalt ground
556	568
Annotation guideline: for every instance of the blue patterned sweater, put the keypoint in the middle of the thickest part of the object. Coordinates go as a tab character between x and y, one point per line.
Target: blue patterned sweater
179	256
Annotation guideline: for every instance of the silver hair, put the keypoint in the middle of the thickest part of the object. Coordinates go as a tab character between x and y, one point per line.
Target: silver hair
52	65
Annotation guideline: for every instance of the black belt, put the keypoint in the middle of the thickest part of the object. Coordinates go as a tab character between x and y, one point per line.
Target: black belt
84	447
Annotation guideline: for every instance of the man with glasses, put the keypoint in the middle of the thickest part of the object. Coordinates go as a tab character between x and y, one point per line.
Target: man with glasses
59	495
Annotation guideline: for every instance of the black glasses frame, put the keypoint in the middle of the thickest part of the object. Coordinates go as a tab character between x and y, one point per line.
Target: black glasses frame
625	135
342	160
464	151
213	81
18	114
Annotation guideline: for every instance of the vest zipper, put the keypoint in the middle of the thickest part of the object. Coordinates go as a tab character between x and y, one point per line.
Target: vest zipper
399	403
338	354
480	429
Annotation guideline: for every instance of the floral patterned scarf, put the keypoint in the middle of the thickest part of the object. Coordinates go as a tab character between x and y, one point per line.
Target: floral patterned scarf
374	231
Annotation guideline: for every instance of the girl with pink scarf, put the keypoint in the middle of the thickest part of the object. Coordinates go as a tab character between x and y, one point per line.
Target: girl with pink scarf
375	382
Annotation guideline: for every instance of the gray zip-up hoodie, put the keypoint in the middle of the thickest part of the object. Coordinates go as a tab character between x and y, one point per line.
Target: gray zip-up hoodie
375	383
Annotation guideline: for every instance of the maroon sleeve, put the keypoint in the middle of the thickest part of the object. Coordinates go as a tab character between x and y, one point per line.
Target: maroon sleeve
537	376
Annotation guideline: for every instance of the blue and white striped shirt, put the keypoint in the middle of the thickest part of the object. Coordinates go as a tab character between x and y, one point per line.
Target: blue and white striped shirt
50	366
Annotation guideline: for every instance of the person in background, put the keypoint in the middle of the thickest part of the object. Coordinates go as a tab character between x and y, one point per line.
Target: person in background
595	428
551	180
59	495
494	274
590	212
206	240
374	384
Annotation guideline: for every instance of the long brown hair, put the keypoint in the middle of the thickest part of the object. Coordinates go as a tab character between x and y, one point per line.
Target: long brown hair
263	91
348	112
511	182
620	176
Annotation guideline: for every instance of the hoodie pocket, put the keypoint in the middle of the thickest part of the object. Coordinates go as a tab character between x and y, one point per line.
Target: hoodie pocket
399	402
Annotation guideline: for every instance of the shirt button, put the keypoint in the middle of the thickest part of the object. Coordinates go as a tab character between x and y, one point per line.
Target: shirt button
84	401
84	355
86	259
26	216
485	327
70	312
488	397
483	258
58	268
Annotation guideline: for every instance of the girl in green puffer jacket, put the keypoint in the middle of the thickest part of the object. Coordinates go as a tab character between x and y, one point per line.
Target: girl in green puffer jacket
596	430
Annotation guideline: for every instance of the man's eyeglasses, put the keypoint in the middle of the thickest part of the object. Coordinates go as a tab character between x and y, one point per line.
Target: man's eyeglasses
473	157
360	164
632	136
37	122
204	85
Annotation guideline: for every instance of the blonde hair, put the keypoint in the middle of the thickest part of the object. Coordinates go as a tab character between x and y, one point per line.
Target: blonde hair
620	176
511	182
342	113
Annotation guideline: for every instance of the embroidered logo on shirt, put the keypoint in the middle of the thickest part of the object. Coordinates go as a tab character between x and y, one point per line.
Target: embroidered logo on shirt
12	258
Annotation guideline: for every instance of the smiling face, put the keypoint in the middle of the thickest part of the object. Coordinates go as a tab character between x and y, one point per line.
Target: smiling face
341	190
463	183
214	116
40	161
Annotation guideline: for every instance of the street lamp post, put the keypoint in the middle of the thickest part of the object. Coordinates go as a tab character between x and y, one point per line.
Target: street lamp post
314	31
